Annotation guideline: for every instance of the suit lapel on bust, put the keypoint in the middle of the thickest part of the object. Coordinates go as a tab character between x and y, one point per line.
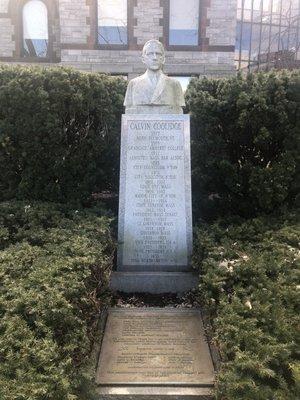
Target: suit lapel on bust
145	90
159	88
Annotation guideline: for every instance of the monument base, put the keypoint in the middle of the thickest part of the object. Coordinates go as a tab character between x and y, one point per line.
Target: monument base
155	353
154	393
153	282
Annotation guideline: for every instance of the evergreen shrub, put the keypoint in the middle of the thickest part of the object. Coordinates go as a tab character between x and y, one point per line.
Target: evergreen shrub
59	133
54	269
245	143
249	284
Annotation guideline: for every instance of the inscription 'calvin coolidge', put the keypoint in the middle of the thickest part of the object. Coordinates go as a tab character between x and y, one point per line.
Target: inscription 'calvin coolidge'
154	125
155	201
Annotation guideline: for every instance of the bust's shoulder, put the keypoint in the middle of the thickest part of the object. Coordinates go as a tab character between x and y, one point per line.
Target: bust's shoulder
172	81
174	84
137	80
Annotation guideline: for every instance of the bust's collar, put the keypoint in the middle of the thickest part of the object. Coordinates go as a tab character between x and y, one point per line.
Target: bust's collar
157	74
159	87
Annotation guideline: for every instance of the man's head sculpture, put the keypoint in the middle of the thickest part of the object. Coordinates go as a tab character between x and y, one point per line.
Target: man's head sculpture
154	92
153	55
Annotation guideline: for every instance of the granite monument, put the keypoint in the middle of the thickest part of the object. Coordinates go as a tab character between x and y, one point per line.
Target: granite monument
155	216
154	353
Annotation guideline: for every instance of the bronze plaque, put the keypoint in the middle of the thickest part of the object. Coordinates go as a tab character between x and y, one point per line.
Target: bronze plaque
154	347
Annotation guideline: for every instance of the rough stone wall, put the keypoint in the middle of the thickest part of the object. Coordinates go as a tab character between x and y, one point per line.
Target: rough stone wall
56	37
10	30
222	16
148	15
129	62
73	21
4	6
74	41
7	44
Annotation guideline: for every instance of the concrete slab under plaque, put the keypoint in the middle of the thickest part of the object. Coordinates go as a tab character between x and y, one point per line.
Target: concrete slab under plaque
153	282
155	353
150	393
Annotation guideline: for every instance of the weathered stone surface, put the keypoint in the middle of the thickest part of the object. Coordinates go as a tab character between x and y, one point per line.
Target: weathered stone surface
222	27
192	63
153	282
73	21
158	393
4	6
155	220
7	45
74	28
148	14
154	92
155	348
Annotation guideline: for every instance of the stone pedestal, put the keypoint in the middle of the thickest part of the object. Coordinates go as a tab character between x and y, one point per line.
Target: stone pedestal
155	216
153	282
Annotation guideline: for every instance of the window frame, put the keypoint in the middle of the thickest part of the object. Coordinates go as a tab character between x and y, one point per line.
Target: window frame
178	47
109	46
49	57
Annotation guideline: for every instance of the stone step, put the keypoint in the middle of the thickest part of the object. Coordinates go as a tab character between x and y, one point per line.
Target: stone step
153	282
151	393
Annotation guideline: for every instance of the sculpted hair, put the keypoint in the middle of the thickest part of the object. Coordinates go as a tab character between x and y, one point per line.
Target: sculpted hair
153	41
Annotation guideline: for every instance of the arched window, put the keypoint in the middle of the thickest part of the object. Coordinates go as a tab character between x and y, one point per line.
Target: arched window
35	29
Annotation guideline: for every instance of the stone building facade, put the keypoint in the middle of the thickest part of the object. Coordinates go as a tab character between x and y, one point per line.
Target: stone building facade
72	35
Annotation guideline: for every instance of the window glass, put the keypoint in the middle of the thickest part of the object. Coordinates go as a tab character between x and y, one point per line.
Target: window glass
35	29
273	30
255	46
249	13
267	5
125	77
184	81
184	22
257	4
242	38
112	22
